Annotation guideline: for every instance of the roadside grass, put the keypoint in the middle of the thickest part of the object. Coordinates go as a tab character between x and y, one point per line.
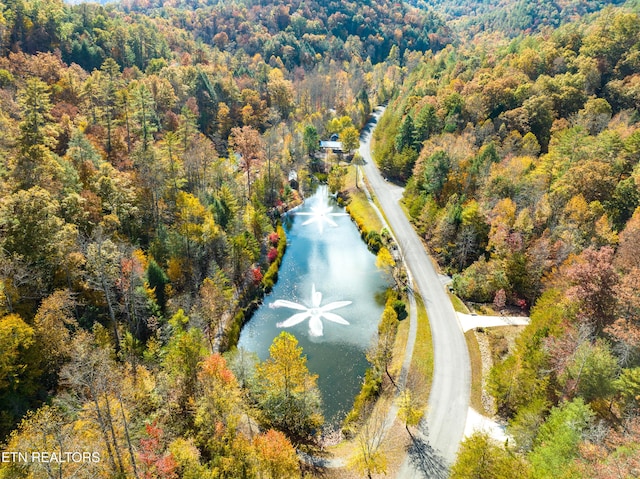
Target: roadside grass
476	371
458	304
421	372
359	206
405	208
362	182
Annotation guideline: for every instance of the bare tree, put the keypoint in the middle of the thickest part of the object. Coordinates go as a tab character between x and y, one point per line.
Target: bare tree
89	377
248	143
370	458
103	269
92	379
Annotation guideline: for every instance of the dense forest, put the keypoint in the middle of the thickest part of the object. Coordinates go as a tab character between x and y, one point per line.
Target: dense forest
522	165
146	154
145	157
508	17
303	33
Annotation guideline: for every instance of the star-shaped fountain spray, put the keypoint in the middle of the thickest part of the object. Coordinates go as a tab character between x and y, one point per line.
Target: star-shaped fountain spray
321	214
315	313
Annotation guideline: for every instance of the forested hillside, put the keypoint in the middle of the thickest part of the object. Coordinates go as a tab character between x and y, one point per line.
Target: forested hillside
145	159
146	154
513	18
303	33
522	165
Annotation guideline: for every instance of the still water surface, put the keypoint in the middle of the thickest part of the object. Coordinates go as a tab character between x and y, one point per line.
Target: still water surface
335	261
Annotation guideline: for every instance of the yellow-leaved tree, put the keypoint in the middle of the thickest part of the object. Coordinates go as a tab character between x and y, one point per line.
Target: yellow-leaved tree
287	392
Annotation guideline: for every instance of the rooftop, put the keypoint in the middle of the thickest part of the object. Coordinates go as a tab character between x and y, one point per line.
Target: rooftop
331	145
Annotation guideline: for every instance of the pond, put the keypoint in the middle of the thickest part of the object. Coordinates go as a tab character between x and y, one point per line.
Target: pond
327	278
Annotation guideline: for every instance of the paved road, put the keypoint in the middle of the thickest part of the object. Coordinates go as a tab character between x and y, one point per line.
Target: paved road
449	400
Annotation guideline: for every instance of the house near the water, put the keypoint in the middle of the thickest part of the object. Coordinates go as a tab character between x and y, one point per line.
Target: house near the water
293	179
332	144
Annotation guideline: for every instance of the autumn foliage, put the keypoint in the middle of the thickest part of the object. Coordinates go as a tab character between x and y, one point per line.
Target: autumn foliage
149	149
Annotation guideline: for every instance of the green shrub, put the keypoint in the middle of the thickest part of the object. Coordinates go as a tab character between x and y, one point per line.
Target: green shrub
268	285
369	391
6	78
400	308
374	241
271	276
233	335
322	177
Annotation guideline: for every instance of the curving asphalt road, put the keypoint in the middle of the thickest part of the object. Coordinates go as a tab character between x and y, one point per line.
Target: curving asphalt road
449	399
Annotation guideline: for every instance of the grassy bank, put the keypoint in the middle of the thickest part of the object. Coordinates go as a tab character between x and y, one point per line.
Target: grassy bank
364	216
476	371
421	372
458	304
